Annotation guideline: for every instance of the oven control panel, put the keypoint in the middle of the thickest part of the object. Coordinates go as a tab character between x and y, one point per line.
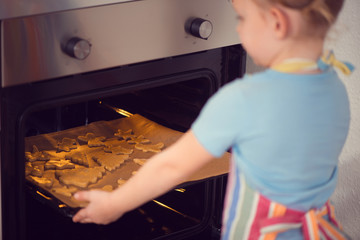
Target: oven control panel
82	40
200	28
77	48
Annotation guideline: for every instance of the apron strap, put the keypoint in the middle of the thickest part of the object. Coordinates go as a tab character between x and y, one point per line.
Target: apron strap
327	60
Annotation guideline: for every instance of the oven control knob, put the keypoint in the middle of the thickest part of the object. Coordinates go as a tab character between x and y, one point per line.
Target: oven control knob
78	48
201	28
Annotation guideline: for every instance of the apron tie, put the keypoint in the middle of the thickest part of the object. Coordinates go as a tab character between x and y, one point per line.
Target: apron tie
314	226
299	64
328	59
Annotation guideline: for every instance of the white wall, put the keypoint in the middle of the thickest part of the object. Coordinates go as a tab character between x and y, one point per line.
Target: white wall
345	41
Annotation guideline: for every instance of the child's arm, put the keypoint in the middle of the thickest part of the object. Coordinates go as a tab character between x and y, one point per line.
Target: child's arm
160	174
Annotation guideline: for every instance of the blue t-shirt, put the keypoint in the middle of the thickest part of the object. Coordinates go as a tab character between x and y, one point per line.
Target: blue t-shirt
286	132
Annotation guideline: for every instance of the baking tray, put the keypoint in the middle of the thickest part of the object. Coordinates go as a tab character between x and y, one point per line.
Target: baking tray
140	126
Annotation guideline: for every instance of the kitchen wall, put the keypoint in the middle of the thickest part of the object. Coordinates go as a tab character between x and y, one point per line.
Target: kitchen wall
344	39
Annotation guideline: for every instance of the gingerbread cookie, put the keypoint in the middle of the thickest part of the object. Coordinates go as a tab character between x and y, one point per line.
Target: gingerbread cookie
92	140
140	161
118	150
87	137
80	177
150	147
137	140
66	145
121	182
109	161
37	155
59	164
43	182
65	191
36	171
78	158
96	142
107	188
124	134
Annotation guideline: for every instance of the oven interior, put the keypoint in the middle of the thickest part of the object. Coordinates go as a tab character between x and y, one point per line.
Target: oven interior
174	105
180	214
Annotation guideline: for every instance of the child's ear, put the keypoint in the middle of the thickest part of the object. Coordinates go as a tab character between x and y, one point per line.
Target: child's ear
280	22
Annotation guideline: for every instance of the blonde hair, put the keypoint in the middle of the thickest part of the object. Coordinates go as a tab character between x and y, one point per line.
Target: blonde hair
319	14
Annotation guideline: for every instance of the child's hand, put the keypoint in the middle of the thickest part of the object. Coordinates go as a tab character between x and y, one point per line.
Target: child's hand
100	209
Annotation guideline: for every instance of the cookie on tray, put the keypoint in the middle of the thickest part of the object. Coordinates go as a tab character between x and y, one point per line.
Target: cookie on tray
118	150
78	158
42	181
150	147
66	145
140	161
34	170
80	177
65	191
37	155
138	139
126	135
59	164
109	161
92	140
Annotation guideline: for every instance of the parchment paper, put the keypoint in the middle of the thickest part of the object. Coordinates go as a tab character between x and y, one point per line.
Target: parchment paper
140	126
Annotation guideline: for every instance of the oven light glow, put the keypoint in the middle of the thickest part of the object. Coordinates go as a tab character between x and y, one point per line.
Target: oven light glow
118	110
123	112
182	190
167	207
46	197
182	214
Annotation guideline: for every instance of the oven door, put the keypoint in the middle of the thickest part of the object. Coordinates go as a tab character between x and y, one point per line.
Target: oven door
169	91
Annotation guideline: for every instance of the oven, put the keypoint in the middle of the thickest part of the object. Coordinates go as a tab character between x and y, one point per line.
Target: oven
68	69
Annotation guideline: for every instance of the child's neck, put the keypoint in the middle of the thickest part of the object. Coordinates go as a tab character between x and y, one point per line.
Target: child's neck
309	49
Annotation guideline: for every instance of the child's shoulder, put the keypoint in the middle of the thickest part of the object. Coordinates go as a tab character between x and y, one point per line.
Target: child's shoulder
249	80
247	85
258	76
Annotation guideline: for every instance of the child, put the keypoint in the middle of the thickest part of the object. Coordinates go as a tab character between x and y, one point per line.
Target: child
286	127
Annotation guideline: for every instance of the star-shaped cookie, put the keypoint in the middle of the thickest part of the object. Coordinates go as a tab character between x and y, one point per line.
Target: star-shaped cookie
59	164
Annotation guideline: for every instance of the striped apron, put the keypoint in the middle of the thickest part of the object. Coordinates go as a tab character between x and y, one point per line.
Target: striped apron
250	215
